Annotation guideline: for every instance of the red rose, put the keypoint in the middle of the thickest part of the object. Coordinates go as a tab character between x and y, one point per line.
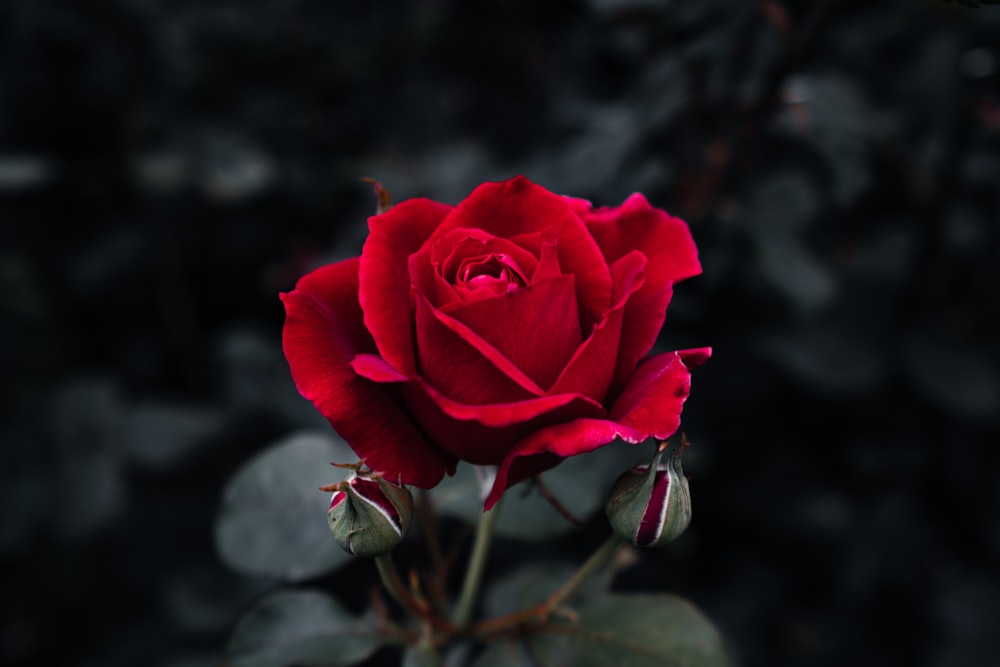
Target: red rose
507	331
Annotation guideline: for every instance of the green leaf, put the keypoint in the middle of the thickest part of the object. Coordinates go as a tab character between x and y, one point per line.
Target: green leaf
580	483
272	521
302	628
647	630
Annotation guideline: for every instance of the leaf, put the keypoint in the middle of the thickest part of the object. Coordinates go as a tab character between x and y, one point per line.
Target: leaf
304	628
272	521
580	483
525	587
159	436
422	656
648	630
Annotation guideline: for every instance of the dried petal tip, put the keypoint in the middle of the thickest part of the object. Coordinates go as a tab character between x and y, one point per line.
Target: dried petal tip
369	516
650	505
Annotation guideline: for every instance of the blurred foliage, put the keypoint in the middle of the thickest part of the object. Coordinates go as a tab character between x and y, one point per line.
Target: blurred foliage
302	628
639	630
167	168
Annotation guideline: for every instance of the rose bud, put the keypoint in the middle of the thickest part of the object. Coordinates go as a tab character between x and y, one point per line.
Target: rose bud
650	505
369	516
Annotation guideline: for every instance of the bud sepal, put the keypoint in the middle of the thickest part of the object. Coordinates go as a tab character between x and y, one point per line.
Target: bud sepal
368	515
650	505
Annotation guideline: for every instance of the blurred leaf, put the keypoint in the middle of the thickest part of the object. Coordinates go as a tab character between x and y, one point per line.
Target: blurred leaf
782	203
635	630
958	377
580	483
506	653
422	656
526	587
791	267
302	628
458	655
832	113
273	519
834	361
158	435
95	478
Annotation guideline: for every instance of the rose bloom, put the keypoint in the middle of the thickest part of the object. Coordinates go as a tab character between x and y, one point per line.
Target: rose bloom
509	330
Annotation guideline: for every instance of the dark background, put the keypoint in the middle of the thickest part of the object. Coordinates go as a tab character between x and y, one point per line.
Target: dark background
167	167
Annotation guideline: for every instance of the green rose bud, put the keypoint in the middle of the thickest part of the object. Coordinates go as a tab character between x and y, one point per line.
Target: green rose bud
369	516
650	505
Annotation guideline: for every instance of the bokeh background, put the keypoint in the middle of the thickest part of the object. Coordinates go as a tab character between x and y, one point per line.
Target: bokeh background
166	168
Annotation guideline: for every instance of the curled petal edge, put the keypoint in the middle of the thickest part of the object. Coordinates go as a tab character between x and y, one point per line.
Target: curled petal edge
638	414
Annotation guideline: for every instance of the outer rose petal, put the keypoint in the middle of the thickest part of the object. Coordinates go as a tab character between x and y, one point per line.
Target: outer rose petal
649	406
672	256
518	206
480	434
384	291
651	402
546	448
323	332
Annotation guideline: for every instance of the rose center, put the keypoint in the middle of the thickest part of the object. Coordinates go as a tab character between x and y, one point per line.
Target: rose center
488	270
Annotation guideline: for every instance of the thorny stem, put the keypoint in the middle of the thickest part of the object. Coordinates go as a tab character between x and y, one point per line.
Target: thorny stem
477	564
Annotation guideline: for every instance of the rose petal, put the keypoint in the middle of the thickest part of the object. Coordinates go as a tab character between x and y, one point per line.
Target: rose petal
375	368
545	246
461	365
649	406
546	448
695	356
384	291
592	367
548	261
518	206
458	244
671	257
480	434
323	332
424	276
653	398
536	327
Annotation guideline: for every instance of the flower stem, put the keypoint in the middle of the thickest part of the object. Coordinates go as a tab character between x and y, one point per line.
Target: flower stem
390	579
438	571
597	560
477	564
540	612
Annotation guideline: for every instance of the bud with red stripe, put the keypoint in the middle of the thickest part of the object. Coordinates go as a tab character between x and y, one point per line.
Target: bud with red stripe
368	515
650	505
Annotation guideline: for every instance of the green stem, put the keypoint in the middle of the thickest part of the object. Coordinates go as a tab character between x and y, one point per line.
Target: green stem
597	560
540	612
390	579
477	564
